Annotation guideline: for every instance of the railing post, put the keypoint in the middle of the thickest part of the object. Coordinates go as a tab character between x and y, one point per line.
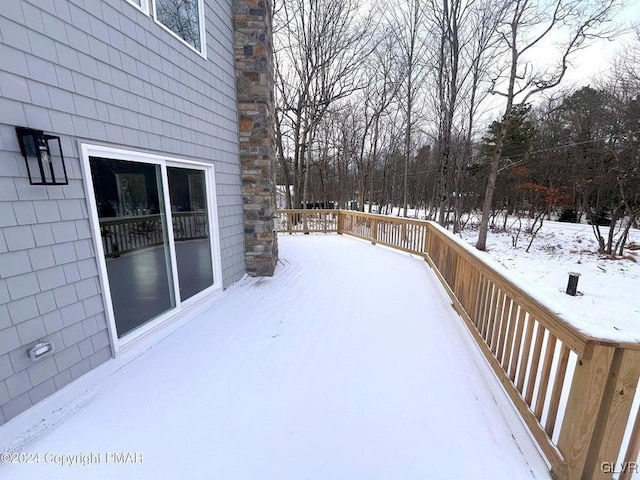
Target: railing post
582	413
340	222
305	226
374	231
632	450
614	414
426	239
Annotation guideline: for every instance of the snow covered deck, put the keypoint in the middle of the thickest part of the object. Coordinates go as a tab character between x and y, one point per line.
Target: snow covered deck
348	364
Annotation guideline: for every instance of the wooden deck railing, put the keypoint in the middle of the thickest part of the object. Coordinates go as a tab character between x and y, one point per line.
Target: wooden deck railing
122	235
307	221
574	392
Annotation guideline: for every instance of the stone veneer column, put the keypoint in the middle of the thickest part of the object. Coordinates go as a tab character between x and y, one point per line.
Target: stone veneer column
256	110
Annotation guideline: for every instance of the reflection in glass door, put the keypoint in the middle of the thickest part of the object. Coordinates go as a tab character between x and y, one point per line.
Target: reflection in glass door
187	193
131	213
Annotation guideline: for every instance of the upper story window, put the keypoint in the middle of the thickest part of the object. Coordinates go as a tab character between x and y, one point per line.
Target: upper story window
141	4
183	18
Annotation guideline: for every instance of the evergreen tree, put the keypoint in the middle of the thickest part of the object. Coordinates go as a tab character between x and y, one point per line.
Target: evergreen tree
519	138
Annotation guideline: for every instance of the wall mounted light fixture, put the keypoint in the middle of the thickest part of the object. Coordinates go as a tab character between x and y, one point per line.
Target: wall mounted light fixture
41	349
43	155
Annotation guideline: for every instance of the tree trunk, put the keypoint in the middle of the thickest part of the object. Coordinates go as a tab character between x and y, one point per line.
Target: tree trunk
491	187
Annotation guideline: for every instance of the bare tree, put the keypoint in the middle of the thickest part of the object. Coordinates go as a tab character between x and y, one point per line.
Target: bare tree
628	64
320	47
528	23
463	39
448	18
372	104
407	23
480	55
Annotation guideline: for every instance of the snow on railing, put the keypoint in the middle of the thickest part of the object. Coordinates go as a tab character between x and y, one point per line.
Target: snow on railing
574	392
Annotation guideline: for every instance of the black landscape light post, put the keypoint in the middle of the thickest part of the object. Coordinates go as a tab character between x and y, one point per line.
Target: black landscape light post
572	285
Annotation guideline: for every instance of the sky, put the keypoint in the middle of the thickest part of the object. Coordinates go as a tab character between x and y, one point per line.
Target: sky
596	60
587	66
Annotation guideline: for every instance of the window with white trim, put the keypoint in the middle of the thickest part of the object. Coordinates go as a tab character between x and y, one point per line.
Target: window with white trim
142	5
183	18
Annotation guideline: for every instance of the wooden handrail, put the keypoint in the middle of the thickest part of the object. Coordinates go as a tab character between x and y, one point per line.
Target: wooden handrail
526	343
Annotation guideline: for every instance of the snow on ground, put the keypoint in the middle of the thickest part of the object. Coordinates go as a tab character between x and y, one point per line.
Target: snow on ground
607	305
348	364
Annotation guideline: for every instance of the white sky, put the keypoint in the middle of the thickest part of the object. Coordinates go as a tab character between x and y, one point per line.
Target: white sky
596	59
587	65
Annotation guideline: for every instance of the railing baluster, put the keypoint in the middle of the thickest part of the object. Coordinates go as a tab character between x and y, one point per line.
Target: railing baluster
495	320
558	384
544	378
524	361
504	320
535	361
480	302
513	316
486	312
517	342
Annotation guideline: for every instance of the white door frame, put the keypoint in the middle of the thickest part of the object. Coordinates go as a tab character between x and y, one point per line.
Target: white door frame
91	150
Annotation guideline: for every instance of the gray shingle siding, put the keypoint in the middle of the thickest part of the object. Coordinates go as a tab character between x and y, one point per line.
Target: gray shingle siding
100	72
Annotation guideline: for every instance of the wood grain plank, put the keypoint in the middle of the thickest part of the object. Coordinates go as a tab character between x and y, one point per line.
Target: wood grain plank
513	321
631	455
526	350
506	315
585	398
533	366
545	375
614	412
558	385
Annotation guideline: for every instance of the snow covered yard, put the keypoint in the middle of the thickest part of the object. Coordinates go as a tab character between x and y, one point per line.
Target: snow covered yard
607	303
348	364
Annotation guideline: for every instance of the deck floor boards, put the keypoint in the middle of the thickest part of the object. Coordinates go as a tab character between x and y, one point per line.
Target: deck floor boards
348	364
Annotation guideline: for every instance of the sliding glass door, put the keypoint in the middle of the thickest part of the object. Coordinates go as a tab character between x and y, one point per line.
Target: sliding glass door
188	194
155	256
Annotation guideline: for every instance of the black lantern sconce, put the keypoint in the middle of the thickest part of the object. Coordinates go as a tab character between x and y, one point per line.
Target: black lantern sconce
43	155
